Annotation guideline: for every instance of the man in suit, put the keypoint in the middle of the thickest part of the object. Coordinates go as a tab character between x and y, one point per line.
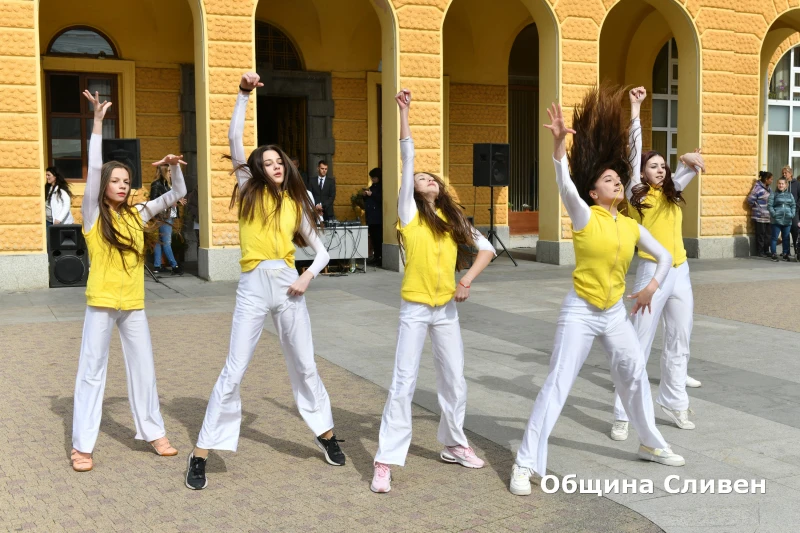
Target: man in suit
323	187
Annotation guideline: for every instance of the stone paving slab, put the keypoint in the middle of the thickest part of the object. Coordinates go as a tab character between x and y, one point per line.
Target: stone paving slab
277	481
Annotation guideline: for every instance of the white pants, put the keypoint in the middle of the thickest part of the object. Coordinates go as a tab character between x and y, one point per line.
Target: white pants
91	381
675	300
263	291
416	321
578	324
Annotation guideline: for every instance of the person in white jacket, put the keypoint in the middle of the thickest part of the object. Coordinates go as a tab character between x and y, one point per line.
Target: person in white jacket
58	198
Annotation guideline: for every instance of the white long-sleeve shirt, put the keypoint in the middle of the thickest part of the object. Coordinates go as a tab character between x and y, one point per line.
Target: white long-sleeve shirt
235	141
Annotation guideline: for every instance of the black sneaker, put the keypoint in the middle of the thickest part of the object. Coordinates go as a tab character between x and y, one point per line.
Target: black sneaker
785	257
775	257
157	270
177	270
330	447
196	473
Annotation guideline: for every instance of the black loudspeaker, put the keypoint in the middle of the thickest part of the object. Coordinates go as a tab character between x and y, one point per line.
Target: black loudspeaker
125	151
67	254
490	165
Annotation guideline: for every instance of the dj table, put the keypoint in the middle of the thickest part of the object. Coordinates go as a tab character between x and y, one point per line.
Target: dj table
342	242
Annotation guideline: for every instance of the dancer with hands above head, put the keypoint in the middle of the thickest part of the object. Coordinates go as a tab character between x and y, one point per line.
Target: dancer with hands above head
434	235
658	193
275	213
114	232
604	242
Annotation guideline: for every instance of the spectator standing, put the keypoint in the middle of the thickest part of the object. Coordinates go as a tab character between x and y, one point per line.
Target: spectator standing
58	198
373	203
323	187
782	209
758	199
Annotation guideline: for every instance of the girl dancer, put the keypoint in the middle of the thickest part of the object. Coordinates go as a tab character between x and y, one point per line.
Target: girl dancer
660	191
115	295
604	241
58	198
274	213
433	233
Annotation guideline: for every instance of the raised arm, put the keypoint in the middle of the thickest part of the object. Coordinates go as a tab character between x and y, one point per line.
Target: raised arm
637	96
650	245
688	167
406	207
89	205
168	199
249	81
577	209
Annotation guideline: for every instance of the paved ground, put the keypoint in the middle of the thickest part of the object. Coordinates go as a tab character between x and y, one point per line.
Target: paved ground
744	351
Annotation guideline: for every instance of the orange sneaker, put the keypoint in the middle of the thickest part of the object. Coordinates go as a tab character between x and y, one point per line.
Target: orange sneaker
81	462
163	447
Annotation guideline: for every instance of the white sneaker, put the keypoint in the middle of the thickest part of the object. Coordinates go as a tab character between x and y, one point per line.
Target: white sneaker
681	418
664	456
693	383
619	430
520	480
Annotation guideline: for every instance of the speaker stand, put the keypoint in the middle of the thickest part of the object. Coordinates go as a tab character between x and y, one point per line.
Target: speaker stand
152	274
492	235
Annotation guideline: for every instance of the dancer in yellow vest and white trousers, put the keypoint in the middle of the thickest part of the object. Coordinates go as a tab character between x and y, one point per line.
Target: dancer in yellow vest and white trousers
434	234
604	242
275	212
656	187
114	232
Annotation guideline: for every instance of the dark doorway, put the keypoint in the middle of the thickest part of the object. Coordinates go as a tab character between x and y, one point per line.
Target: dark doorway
282	120
523	124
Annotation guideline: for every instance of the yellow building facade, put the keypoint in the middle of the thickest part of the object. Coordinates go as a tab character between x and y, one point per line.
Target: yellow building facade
480	72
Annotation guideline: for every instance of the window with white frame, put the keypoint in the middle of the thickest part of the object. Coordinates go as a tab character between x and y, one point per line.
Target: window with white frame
783	114
665	103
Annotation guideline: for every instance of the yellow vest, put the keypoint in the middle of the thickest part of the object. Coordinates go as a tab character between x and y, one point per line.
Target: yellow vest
603	252
271	239
664	221
110	284
430	273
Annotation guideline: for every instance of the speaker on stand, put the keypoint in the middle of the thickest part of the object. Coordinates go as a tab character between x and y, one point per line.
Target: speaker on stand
490	168
67	256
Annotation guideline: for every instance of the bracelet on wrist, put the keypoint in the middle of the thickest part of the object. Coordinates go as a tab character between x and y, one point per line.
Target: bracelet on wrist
244	90
465	286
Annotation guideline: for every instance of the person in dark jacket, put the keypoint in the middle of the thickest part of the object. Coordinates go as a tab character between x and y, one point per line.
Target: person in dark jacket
758	200
373	202
782	209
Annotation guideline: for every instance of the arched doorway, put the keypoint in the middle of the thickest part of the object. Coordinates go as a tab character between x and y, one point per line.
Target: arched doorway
523	133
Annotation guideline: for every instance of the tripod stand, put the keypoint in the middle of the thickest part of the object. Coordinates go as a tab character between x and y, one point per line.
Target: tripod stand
493	234
152	274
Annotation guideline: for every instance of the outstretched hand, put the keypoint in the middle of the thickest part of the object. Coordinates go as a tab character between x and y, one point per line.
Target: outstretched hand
99	107
403	99
250	80
557	126
170	160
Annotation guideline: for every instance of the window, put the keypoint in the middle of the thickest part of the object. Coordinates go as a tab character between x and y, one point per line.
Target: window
274	47
81	42
665	103
70	117
783	114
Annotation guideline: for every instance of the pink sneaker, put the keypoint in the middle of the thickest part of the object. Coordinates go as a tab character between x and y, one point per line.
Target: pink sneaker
382	479
461	455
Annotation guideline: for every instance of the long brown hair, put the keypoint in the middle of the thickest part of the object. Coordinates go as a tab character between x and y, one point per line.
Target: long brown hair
601	141
667	186
456	224
108	231
161	174
251	196
61	183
